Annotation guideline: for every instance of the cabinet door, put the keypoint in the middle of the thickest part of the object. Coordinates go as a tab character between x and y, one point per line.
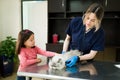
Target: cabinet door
56	5
80	5
112	5
54	47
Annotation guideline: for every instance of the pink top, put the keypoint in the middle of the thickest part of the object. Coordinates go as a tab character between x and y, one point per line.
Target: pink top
28	56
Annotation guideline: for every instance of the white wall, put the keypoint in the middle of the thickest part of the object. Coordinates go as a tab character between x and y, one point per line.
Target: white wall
10	18
10	21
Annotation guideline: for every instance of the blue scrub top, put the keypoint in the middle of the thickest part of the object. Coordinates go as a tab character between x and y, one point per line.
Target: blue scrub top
84	41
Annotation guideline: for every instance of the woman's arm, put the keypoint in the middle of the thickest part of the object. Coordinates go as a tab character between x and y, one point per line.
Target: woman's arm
66	43
91	55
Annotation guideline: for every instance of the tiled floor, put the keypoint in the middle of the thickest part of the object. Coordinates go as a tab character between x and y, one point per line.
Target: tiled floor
10	77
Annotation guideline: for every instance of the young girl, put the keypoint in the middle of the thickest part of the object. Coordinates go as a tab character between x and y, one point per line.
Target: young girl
27	51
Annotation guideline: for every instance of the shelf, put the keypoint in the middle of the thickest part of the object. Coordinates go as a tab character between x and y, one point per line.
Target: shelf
112	15
111	18
67	15
59	17
51	15
73	14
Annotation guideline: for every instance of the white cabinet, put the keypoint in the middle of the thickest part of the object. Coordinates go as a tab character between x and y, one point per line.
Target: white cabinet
35	19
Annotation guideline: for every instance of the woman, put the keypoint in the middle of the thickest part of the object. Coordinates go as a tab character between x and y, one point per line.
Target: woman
85	35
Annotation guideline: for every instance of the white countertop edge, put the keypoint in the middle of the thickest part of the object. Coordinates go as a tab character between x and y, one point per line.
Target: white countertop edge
46	76
117	65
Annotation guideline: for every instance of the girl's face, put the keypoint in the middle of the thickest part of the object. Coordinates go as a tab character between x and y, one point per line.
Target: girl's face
30	42
90	20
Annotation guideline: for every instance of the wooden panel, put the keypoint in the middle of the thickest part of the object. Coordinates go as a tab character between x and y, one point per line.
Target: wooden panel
109	54
118	54
54	47
99	56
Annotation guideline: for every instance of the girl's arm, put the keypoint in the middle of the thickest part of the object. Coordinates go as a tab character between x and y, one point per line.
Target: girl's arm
24	61
45	53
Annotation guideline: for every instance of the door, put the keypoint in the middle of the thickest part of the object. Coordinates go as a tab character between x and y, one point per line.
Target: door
35	19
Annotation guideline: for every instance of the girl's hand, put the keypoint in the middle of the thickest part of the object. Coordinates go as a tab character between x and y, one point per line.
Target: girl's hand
39	60
57	54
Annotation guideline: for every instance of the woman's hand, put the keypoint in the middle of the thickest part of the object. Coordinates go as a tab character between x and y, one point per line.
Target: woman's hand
72	61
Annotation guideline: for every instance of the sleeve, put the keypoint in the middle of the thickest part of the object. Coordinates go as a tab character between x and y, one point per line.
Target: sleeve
73	22
100	41
24	61
44	52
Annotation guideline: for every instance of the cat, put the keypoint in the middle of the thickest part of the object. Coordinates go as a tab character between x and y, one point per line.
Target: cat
58	62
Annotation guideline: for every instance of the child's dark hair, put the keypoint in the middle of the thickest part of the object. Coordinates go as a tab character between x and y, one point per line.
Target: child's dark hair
22	37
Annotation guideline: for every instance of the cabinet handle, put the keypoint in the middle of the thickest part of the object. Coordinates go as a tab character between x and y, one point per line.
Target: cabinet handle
106	2
63	3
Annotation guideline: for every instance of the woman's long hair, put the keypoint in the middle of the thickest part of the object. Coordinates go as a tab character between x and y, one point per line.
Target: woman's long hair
98	10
